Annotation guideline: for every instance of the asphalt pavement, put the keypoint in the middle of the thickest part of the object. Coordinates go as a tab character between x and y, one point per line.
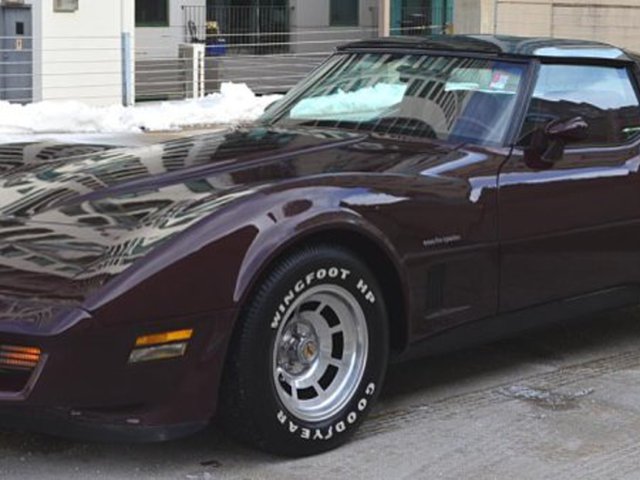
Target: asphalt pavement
563	403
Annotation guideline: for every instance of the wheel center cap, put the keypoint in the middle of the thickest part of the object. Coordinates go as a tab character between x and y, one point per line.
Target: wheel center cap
308	351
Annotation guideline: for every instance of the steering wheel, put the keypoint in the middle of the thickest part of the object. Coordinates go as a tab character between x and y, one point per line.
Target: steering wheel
406	126
484	130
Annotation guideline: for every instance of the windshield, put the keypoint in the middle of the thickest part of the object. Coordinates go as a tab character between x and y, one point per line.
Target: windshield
449	98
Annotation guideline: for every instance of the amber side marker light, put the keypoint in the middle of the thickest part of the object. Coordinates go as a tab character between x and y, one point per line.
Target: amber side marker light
161	346
19	358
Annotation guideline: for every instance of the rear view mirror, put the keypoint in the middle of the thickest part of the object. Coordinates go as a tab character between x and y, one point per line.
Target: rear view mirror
548	143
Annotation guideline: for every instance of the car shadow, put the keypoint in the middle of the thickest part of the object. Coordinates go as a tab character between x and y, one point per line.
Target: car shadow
209	451
550	345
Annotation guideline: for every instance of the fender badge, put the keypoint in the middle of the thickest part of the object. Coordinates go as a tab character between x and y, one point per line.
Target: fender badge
434	242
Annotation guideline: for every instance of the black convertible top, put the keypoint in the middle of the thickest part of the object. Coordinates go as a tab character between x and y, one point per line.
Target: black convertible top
500	45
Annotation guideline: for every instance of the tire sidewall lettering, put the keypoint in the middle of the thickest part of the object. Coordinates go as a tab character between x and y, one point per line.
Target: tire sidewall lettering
317	277
327	433
254	403
360	286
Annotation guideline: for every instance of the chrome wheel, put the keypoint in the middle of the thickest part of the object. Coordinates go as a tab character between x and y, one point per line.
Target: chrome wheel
320	352
307	359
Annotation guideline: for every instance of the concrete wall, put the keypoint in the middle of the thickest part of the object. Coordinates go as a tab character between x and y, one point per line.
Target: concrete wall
311	31
466	16
80	54
613	21
473	16
306	14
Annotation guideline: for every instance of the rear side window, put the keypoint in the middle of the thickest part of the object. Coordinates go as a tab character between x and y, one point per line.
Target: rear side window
603	96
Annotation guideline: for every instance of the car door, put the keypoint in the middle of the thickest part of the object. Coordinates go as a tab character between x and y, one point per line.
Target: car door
573	229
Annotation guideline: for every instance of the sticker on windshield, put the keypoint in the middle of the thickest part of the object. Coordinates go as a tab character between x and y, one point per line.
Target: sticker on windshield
499	81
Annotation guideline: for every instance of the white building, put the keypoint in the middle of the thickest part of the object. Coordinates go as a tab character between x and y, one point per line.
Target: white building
61	49
161	26
95	51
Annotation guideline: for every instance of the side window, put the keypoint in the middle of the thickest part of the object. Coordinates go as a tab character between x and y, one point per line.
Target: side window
603	96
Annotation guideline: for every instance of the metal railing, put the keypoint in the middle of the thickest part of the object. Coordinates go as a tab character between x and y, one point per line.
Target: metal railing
264	50
252	30
61	68
259	46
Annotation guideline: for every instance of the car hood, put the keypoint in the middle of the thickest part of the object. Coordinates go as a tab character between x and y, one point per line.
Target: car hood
33	186
68	225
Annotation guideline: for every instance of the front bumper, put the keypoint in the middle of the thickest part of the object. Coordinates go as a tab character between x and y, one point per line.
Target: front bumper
58	423
84	387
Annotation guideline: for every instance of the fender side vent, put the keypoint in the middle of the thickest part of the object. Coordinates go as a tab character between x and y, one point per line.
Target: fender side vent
435	287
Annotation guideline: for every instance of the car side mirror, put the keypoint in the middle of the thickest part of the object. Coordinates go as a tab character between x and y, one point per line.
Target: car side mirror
548	143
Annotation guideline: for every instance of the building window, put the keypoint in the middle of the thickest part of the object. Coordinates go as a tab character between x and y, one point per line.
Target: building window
344	13
65	5
152	13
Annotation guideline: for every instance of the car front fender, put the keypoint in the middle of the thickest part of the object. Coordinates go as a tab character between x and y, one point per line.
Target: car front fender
215	264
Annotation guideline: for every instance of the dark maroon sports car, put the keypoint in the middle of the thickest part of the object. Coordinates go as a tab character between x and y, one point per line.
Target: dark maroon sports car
411	195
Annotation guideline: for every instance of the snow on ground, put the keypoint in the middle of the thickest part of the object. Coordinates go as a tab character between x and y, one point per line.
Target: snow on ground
235	103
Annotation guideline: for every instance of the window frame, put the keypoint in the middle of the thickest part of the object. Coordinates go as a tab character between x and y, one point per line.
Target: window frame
344	24
633	72
156	24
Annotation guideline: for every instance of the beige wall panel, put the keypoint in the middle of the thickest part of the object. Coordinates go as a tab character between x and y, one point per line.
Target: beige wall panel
524	18
467	16
612	21
614	25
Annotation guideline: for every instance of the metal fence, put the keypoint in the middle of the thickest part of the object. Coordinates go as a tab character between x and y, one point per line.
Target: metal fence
260	46
88	69
249	30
